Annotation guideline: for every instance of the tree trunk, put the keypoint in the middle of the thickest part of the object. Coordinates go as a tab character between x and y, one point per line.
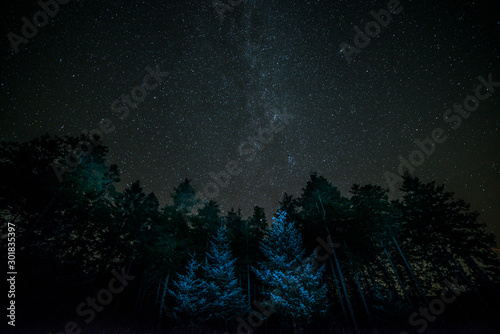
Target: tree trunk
344	288
369	280
139	296
248	265
164	295
342	281
349	305
367	311
248	286
158	291
339	293
356	280
391	280
411	272
397	275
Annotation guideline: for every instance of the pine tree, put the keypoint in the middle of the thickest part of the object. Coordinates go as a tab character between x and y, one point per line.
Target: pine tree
294	282
324	209
375	220
184	196
445	234
204	225
190	295
225	299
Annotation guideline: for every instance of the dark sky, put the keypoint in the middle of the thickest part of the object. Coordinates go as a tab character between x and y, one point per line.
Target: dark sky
349	121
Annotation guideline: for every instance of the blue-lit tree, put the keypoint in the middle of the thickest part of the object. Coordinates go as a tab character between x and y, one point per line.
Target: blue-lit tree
295	286
190	295
225	299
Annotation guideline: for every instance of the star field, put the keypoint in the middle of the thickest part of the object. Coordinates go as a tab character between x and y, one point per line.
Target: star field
349	121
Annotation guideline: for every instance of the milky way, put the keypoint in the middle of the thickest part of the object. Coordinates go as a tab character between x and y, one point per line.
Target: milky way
230	77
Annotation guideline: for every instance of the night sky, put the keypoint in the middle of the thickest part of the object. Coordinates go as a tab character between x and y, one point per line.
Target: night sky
227	79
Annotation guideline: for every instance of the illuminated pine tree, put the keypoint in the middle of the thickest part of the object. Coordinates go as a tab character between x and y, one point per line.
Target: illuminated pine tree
295	285
190	295
225	299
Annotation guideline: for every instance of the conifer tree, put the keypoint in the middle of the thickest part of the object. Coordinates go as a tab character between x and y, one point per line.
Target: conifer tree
225	299
190	295
295	284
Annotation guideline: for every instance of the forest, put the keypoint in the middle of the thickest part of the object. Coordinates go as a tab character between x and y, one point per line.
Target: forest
92	259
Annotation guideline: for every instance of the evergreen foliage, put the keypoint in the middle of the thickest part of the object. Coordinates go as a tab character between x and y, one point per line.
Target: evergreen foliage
295	285
380	258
